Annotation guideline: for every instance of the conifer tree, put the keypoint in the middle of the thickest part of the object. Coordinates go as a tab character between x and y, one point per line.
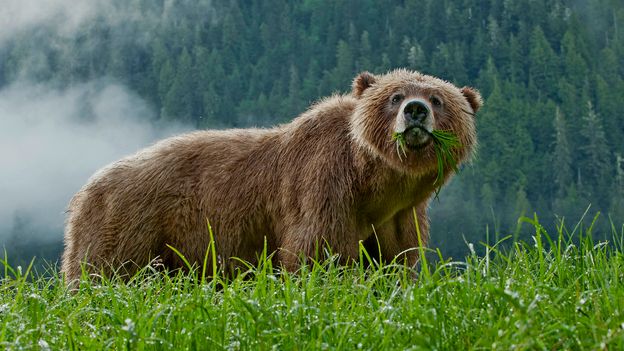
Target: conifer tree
543	65
561	157
617	198
180	99
344	64
597	165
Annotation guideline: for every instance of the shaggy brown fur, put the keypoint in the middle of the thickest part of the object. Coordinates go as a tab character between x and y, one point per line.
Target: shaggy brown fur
329	177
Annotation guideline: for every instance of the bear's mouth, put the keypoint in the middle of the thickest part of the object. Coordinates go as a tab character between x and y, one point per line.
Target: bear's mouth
417	137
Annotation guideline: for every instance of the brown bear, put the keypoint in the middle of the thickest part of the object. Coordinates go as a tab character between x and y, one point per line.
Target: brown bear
331	178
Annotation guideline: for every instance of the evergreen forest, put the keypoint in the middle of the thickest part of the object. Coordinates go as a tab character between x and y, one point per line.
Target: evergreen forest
551	74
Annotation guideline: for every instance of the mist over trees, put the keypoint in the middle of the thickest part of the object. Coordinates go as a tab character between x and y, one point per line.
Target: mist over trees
551	73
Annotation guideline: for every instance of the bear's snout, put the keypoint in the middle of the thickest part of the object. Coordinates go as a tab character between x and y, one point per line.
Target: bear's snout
415	119
416	112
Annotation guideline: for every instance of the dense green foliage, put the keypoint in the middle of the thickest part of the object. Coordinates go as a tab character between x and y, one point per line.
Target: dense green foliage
551	73
554	295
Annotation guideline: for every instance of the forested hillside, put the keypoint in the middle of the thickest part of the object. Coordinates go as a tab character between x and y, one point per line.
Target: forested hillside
551	73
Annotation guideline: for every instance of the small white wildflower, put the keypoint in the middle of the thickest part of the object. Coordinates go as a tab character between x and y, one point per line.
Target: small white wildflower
129	327
44	345
535	301
234	345
511	293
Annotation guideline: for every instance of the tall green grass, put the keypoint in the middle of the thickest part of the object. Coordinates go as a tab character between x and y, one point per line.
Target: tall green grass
561	291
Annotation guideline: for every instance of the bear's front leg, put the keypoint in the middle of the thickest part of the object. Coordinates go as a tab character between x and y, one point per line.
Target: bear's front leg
311	241
398	237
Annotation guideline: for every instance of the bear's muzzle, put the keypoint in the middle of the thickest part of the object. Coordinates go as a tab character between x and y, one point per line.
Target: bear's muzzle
415	121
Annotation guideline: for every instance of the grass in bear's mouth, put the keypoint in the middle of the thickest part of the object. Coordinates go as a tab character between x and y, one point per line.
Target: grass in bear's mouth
399	139
443	143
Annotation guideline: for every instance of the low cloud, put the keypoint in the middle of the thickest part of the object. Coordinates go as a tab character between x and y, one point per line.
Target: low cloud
62	15
52	140
64	18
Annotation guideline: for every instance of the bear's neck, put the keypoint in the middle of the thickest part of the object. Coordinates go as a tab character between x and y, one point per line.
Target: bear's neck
384	191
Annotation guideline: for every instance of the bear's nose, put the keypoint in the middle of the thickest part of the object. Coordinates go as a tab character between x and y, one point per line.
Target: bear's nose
416	111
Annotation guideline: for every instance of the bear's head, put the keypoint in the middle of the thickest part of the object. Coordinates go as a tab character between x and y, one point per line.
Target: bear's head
413	104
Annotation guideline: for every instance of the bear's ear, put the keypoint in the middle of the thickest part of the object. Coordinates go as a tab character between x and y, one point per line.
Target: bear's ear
473	97
362	82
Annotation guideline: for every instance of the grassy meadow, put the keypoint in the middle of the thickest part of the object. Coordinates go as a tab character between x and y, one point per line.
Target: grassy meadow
562	291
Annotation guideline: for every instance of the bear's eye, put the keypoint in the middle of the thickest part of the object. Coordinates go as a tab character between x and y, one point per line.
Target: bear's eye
435	101
396	98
